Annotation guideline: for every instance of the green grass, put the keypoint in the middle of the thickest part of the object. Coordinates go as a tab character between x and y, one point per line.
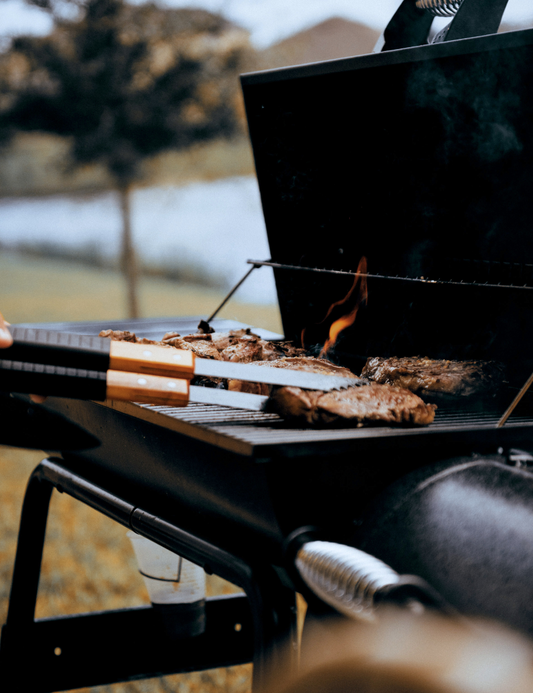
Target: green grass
50	290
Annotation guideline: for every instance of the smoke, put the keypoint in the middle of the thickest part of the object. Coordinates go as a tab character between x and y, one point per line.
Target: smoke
474	107
496	139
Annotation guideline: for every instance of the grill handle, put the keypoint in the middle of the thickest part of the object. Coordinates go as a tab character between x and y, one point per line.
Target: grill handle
474	18
410	25
355	583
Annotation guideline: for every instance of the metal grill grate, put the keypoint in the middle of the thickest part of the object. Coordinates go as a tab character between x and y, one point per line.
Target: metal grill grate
258	428
212	414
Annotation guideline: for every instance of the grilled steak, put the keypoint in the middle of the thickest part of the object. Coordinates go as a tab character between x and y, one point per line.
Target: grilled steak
302	363
368	404
355	406
125	336
431	376
242	346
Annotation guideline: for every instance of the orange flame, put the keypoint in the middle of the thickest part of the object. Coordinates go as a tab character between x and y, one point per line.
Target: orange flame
346	320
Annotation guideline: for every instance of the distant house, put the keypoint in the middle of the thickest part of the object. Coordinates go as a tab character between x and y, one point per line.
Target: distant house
333	38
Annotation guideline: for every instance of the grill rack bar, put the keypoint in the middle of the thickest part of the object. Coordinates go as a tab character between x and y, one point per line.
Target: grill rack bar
420	280
260	427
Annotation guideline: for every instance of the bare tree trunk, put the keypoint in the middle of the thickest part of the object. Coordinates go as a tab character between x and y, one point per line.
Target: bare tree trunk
129	258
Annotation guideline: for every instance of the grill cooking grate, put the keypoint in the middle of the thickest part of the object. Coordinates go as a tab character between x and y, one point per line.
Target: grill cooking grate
258	428
209	414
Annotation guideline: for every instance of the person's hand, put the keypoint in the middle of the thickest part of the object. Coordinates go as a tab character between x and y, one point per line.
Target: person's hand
5	336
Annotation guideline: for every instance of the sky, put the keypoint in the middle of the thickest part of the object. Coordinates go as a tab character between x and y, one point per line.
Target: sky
268	21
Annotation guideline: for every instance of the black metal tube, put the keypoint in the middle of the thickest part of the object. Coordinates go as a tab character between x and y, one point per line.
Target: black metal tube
419	280
465	527
230	294
27	569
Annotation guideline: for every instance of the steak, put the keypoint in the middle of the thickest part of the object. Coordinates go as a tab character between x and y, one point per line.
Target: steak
431	376
242	346
369	403
301	363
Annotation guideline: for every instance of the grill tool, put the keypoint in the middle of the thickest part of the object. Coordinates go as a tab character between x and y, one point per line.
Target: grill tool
86	367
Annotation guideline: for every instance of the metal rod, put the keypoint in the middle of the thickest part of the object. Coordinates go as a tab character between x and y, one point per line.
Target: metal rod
231	293
515	402
353	273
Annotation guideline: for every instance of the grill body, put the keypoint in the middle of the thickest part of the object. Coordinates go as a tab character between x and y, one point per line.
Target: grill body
465	526
245	482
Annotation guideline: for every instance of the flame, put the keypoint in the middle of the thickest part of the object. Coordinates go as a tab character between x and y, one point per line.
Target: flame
348	319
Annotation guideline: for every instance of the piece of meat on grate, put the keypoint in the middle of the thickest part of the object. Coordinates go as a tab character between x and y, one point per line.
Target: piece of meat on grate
435	376
203	348
300	363
355	406
242	346
125	336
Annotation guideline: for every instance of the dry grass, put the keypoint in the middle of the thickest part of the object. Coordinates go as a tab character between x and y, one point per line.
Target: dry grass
41	290
88	563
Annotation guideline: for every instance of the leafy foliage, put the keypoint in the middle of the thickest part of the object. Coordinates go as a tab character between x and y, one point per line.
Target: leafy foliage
126	82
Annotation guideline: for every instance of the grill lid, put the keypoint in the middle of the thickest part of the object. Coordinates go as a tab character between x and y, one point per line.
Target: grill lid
420	160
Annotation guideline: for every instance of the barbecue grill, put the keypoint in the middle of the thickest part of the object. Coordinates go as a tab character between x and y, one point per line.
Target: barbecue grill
419	160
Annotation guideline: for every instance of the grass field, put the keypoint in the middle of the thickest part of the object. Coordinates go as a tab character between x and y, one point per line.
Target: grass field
88	563
45	290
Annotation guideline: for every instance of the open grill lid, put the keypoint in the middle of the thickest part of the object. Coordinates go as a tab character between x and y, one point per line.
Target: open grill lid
420	160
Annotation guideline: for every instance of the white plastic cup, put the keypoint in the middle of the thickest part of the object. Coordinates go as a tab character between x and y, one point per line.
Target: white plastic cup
174	583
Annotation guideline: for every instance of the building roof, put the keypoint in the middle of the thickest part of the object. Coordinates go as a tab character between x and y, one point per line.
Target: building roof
331	39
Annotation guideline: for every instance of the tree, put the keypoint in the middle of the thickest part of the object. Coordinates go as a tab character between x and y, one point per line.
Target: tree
124	83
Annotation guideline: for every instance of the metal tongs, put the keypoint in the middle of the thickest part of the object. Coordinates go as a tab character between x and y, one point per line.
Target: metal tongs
97	368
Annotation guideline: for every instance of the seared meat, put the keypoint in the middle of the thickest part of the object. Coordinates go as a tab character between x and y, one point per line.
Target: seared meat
205	349
369	403
301	363
355	406
431	376
244	350
125	336
244	346
202	348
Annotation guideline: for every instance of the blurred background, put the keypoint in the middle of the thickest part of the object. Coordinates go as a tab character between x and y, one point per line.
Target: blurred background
124	148
127	188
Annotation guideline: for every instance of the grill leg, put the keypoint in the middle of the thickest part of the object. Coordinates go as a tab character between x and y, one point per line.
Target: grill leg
18	628
90	655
